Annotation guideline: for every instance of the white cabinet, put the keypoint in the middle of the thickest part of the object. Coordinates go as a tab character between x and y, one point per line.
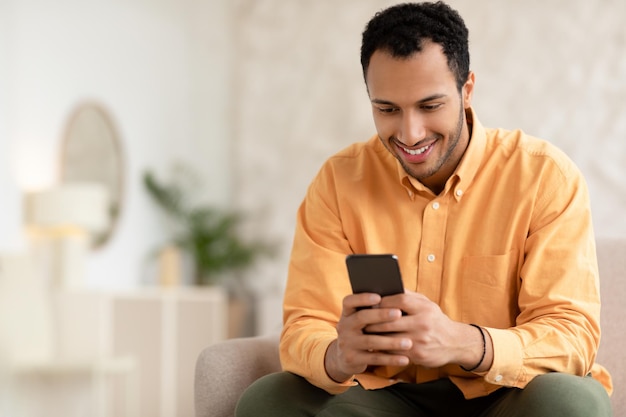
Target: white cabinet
157	332
165	331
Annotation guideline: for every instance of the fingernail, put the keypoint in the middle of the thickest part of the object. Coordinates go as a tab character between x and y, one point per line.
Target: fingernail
405	343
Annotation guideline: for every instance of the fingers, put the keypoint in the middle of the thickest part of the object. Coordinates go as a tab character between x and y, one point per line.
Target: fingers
409	302
379	358
383	336
354	350
365	350
357	318
352	303
342	363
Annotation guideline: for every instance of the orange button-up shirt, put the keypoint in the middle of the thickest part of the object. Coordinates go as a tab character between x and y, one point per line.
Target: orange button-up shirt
508	245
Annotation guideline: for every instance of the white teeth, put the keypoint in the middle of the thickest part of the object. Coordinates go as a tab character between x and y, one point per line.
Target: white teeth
416	151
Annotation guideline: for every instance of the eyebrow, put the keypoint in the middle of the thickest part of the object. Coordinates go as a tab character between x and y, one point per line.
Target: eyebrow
422	101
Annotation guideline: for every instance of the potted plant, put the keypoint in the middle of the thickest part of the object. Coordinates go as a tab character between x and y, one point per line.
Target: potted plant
208	235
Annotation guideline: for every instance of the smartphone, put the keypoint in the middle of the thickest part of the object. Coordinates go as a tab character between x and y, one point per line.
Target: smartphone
377	273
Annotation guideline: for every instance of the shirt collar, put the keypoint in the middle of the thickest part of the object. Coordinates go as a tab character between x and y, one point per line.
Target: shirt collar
465	172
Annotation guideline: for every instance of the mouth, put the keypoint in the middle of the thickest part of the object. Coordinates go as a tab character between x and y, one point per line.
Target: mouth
416	155
417	151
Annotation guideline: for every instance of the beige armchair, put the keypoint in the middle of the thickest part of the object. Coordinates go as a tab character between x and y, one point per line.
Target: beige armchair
224	370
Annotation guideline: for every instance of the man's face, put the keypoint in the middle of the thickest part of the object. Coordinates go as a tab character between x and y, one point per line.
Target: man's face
419	113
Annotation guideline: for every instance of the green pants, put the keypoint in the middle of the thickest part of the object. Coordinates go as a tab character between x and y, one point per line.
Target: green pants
549	395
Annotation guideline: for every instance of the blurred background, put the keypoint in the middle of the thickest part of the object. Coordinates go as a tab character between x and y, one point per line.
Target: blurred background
231	106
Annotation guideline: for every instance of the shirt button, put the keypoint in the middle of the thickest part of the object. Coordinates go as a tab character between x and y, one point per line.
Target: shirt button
431	258
498	378
459	193
435	205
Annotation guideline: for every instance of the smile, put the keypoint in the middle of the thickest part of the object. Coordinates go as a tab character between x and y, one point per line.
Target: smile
416	151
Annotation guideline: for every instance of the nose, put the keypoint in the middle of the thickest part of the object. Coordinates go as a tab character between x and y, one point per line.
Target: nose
411	129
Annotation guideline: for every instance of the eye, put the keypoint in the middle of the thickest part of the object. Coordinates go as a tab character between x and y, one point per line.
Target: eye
431	107
387	110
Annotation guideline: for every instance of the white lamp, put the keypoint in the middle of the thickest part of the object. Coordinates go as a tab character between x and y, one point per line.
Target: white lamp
61	222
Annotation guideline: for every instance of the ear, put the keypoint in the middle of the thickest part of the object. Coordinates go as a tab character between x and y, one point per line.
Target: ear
468	90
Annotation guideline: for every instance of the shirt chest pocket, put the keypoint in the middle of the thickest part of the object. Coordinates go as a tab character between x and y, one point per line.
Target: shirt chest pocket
490	287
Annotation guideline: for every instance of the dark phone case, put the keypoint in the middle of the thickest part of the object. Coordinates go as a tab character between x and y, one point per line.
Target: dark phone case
378	274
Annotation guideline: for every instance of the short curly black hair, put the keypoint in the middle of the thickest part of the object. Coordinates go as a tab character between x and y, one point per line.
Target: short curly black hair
401	30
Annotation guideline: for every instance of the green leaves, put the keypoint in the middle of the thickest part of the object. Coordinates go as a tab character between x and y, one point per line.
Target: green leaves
207	233
168	197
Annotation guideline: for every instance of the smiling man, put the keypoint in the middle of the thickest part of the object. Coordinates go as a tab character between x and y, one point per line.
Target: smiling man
492	230
419	112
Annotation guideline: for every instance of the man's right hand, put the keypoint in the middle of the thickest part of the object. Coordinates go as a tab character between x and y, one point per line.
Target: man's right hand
353	350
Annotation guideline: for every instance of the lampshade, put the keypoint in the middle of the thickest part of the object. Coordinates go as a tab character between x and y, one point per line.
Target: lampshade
83	205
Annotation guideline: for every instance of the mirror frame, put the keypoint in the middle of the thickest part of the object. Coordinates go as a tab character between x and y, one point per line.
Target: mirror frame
115	184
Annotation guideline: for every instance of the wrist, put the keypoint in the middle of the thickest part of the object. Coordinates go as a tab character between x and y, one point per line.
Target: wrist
483	351
331	365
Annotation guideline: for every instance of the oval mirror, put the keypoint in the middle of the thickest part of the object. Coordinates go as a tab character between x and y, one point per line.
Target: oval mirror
91	152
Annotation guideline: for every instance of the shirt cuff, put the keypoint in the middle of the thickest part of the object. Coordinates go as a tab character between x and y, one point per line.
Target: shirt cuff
507	366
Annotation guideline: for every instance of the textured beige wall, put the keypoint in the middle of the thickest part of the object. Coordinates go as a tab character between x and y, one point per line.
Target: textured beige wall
555	68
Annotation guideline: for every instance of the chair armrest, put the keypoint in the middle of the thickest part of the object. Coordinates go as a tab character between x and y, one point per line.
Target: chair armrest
224	370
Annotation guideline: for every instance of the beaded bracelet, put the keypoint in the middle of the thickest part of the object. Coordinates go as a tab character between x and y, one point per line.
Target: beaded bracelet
482	358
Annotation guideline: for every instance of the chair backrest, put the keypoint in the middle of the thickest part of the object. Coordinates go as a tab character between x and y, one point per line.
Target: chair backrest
612	264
